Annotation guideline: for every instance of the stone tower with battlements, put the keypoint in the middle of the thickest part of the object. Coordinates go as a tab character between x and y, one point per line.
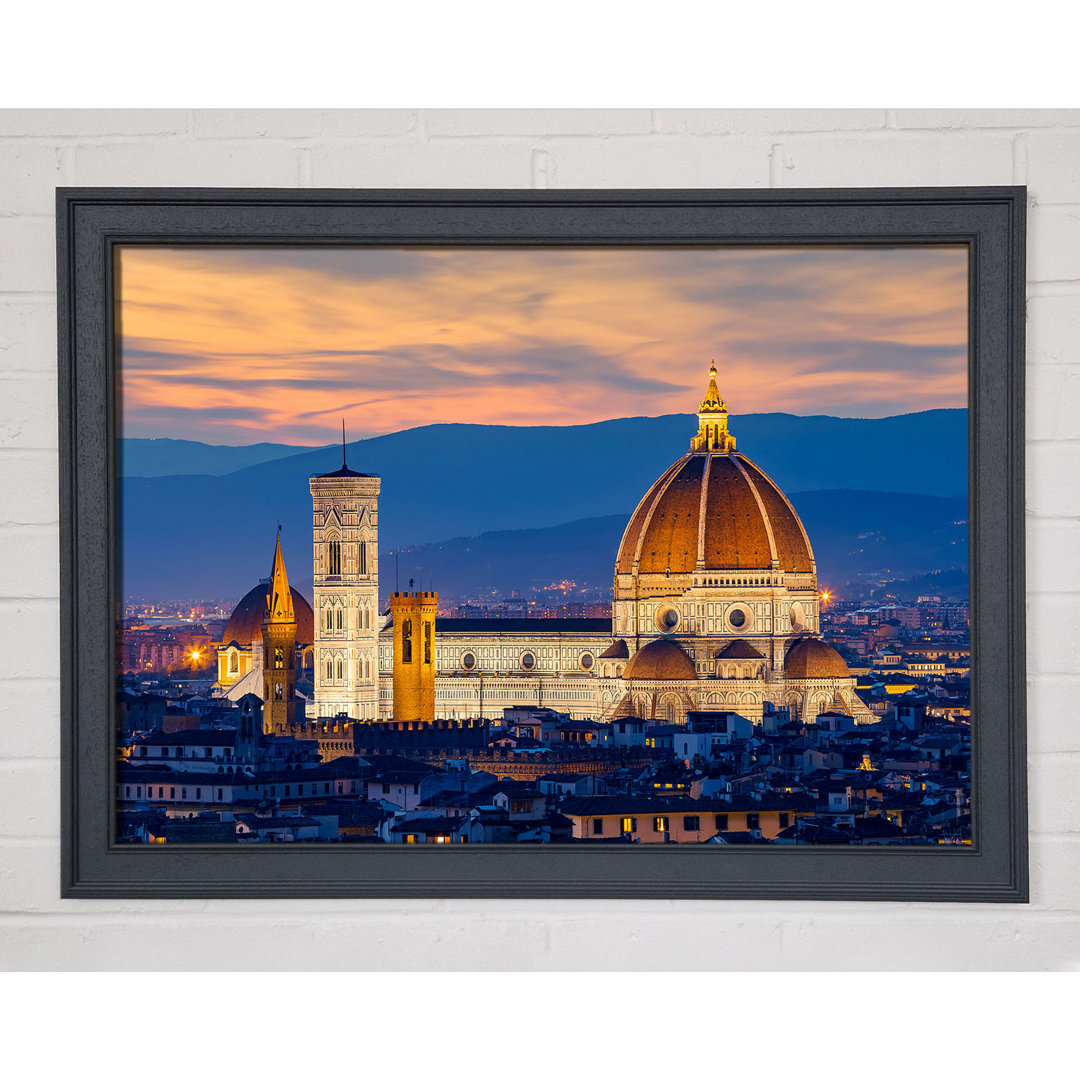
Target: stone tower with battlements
414	654
345	536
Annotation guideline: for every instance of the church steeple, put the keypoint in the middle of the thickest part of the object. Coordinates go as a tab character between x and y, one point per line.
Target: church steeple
279	604
279	650
712	434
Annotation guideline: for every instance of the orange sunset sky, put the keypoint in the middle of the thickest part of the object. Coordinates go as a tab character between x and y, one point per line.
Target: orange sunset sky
243	345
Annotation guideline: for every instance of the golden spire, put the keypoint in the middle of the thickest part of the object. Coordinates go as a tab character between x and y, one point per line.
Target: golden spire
712	401
712	433
279	605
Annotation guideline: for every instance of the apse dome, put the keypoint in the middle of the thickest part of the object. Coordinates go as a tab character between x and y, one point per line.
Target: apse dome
811	658
660	659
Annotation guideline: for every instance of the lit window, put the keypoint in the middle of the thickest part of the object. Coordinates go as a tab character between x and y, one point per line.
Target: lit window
406	641
629	825
410	838
660	824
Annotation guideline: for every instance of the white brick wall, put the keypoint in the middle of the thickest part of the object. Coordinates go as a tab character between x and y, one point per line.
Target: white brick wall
542	148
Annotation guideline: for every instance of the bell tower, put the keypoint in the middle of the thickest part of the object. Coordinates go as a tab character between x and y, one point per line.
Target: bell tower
279	650
345	550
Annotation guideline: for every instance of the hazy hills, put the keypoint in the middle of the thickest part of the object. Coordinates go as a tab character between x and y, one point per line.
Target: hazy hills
173	457
193	533
911	535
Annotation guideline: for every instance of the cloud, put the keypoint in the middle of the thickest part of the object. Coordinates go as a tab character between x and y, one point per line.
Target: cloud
394	338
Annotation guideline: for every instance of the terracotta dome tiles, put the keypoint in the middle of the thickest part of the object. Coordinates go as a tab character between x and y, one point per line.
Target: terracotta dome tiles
741	506
791	544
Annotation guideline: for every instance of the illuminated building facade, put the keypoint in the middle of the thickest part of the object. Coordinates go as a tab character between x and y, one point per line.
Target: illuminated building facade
716	607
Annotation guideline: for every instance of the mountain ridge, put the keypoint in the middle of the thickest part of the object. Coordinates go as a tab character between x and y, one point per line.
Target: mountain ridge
200	533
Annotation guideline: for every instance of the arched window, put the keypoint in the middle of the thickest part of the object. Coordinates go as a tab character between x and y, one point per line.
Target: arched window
329	669
333	551
406	641
279	657
341	669
329	619
278	692
427	643
234	662
340	618
363	557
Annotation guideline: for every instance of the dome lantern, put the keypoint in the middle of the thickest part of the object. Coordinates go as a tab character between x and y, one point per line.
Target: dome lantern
712	414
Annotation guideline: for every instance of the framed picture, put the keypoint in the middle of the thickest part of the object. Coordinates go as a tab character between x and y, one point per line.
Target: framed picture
534	544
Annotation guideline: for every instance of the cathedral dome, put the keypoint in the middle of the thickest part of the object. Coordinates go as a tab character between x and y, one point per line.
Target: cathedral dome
660	659
714	511
810	658
245	623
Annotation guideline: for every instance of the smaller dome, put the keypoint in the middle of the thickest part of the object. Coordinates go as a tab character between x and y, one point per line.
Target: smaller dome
661	659
617	650
811	658
245	623
739	650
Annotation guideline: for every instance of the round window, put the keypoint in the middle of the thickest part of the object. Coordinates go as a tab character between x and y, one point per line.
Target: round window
468	661
667	618
798	616
528	661
737	618
587	661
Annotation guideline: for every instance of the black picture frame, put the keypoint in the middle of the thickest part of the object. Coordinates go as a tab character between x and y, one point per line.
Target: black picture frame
989	220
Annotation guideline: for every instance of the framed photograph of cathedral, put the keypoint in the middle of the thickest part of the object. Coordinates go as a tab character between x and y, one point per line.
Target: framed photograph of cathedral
580	544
